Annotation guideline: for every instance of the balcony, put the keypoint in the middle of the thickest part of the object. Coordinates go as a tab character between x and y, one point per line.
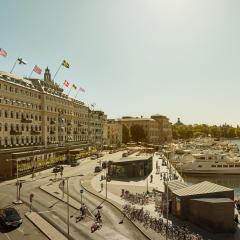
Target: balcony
24	120
14	132
75	132
35	132
53	122
52	132
69	132
69	123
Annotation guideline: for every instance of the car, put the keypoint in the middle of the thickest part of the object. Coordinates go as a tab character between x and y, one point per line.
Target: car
98	169
75	163
125	154
57	169
10	217
93	157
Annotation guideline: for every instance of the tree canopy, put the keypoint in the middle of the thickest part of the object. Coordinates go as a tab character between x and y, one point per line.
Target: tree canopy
125	134
191	131
137	133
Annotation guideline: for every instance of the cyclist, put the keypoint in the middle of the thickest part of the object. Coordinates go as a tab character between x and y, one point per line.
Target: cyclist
98	217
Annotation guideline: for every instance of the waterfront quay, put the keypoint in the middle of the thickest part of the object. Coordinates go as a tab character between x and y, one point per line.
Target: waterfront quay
114	197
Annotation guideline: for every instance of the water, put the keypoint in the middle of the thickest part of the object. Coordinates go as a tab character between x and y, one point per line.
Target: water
231	181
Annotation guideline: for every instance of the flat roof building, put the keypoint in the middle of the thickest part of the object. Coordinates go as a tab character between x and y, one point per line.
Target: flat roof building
130	167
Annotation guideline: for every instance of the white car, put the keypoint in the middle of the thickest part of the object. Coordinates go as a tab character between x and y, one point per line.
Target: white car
94	157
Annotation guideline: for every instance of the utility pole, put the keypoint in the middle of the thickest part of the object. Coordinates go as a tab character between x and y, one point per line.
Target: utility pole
106	182
17	201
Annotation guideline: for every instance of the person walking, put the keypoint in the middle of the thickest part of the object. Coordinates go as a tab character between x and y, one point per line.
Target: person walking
101	186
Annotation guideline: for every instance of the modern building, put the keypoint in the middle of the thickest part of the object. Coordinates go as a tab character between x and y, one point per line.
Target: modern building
157	129
40	122
194	203
130	167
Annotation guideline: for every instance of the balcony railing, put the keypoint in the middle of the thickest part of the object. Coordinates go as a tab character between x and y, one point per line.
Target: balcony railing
24	120
52	132
53	122
14	132
35	132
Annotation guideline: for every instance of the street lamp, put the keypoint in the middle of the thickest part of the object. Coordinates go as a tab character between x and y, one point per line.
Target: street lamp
17	201
68	225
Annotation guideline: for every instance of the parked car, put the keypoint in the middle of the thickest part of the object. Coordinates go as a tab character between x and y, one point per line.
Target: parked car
93	157
98	169
10	217
57	169
75	163
125	154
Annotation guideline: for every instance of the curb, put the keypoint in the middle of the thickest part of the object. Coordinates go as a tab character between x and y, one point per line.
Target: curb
42	230
117	209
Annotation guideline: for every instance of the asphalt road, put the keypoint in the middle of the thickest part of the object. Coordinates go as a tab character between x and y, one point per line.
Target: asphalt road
55	211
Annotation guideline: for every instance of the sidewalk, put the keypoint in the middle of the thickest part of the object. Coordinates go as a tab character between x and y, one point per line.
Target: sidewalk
45	227
114	188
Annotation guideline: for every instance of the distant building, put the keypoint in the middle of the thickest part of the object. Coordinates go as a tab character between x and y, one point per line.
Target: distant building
157	129
114	132
178	123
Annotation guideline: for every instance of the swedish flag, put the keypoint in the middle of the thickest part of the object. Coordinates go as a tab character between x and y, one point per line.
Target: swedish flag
65	64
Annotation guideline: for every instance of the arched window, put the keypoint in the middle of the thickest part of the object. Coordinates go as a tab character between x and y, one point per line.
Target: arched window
12	115
6	114
6	127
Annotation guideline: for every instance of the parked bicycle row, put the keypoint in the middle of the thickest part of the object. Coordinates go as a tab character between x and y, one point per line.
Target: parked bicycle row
173	232
137	198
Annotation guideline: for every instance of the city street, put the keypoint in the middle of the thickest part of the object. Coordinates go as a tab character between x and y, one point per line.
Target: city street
55	212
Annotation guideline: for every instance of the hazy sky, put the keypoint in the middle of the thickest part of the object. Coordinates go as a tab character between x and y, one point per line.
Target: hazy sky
179	58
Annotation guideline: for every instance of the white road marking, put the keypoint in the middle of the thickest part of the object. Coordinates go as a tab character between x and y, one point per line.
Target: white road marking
20	229
48	211
7	236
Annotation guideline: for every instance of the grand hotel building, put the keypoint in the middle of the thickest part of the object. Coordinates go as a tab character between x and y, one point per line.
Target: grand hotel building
40	124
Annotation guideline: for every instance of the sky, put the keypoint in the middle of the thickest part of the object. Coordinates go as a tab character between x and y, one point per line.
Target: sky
179	58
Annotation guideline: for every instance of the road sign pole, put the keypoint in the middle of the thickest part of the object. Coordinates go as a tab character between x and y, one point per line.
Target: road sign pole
31	199
81	192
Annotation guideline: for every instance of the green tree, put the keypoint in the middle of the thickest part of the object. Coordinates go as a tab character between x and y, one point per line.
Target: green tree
125	134
137	133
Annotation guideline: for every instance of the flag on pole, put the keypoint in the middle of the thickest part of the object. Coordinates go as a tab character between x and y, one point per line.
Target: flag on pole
21	61
74	86
66	83
82	89
37	69
65	64
3	52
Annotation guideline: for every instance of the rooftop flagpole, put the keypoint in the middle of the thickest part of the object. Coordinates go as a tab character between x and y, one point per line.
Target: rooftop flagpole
14	65
57	71
70	90
30	74
77	93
